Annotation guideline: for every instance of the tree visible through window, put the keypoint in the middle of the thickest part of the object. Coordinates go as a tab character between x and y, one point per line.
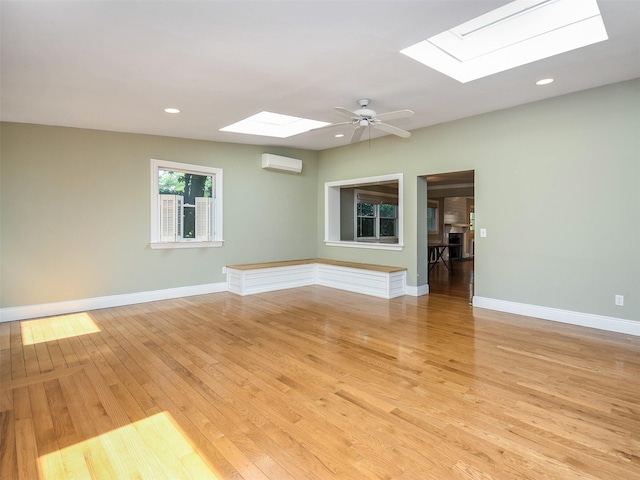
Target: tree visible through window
196	193
346	226
185	203
376	216
366	220
388	216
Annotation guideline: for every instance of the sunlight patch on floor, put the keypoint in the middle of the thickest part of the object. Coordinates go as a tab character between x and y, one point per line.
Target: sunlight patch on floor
152	448
55	328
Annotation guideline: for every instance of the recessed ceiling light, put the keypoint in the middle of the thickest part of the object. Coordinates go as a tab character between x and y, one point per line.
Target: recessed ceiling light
544	81
172	110
515	34
339	135
271	124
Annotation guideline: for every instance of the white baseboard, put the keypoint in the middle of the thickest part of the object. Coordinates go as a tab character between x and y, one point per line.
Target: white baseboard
416	291
59	308
600	322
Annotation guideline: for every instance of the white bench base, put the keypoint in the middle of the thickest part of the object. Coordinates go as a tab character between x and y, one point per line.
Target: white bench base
383	284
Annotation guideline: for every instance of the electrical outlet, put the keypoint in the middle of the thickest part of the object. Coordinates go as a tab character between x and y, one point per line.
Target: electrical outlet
224	269
620	300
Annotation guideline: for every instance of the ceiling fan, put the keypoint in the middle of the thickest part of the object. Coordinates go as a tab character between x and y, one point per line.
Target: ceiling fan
364	117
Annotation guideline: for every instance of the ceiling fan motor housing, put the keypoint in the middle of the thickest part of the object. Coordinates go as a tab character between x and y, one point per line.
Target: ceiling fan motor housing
365	113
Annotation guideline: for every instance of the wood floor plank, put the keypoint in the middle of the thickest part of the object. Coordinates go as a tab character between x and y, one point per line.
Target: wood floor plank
27	451
18	369
5	352
61	418
8	453
21	403
5	336
6	400
166	444
315	383
74	463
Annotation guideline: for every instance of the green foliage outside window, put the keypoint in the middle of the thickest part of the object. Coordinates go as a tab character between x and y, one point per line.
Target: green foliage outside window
189	186
372	218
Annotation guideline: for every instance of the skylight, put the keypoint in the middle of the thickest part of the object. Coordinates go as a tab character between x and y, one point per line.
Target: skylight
270	124
515	34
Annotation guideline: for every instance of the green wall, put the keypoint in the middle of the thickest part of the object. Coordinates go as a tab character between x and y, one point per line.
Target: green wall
75	213
557	186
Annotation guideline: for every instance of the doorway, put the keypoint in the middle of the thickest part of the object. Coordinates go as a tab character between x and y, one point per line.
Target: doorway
451	233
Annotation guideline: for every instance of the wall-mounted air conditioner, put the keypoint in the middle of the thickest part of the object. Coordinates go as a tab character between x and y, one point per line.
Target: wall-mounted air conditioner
276	162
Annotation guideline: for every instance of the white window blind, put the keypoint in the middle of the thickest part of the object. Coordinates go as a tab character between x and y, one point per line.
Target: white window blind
177	224
375	198
171	217
204	220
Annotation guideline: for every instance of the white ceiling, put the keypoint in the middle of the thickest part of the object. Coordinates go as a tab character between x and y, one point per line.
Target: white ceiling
115	65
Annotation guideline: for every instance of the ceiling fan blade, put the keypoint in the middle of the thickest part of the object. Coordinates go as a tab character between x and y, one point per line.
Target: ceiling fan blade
391	129
346	113
393	115
357	133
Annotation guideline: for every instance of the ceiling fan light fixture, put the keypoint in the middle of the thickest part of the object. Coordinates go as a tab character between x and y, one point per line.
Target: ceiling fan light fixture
521	32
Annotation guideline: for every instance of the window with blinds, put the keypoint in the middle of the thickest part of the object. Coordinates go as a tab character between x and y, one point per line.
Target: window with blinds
186	205
180	221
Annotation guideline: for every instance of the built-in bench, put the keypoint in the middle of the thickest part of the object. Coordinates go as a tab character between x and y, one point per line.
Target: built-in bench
376	280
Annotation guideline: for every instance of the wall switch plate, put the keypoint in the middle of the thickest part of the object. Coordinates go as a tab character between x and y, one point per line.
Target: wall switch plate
620	300
483	232
224	269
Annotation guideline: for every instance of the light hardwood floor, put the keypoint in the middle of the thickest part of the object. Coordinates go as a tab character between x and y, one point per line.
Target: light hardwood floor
315	383
460	283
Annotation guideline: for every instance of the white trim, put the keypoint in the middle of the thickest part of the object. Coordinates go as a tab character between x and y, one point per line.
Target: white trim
216	173
194	244
600	322
418	291
611	324
332	209
377	197
452	186
58	308
370	245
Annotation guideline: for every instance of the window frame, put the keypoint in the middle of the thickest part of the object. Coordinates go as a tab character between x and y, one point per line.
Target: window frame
155	207
435	204
377	217
332	212
395	223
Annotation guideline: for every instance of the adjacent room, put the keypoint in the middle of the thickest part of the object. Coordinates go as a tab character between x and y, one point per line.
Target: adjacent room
320	240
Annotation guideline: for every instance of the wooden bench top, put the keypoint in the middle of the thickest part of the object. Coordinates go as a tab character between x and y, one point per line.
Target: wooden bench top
338	263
